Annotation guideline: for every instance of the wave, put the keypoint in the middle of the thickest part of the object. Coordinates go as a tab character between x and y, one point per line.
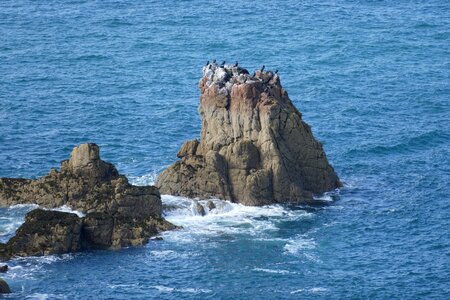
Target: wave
420	142
167	289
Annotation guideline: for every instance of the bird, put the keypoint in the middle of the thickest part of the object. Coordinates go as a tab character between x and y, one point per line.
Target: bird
262	69
254	74
276	71
222	64
236	64
207	63
214	61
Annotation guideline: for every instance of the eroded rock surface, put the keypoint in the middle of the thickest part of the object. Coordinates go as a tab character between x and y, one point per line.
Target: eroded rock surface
117	213
254	148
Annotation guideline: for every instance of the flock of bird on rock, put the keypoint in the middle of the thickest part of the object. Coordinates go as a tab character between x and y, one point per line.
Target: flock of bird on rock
242	71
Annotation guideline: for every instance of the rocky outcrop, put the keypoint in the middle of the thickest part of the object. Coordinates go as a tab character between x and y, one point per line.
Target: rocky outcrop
43	233
254	149
4	287
117	214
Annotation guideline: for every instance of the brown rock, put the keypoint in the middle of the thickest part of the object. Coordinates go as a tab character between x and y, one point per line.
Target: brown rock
45	232
117	213
254	148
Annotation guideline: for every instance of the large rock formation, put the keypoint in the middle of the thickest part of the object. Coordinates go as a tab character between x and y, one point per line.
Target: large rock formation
117	213
254	147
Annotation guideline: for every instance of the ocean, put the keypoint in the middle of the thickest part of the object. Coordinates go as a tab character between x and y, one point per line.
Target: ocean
372	78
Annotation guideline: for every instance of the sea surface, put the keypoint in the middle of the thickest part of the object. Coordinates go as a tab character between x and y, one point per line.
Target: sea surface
372	78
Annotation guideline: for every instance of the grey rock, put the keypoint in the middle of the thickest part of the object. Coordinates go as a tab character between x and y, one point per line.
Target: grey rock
254	148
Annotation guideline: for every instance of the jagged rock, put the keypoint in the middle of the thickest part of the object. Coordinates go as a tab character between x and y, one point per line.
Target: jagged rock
254	148
85	183
199	209
210	205
4	269
4	287
44	232
117	213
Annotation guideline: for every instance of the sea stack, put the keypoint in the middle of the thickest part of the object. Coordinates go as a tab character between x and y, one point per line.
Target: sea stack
254	147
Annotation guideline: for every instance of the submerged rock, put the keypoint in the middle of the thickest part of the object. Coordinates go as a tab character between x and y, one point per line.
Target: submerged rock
117	213
4	287
254	149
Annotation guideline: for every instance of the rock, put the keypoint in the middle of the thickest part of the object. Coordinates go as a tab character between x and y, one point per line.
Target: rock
4	269
199	209
254	149
45	232
156	238
4	287
118	214
210	205
85	183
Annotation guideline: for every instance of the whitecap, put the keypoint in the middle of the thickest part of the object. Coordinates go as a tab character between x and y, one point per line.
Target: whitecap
167	289
275	271
310	290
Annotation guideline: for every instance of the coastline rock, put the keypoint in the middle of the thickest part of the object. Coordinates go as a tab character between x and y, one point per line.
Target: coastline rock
117	214
4	287
199	209
4	269
254	149
43	233
210	205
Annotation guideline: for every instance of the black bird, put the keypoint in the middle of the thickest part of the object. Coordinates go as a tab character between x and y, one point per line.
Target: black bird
262	69
276	71
254	74
222	64
236	64
207	63
214	61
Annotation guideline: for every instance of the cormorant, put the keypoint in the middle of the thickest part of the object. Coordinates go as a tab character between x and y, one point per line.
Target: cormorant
276	71
262	69
214	61
207	63
254	74
236	64
222	64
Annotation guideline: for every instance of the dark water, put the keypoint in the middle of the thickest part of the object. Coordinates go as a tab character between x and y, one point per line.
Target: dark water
371	77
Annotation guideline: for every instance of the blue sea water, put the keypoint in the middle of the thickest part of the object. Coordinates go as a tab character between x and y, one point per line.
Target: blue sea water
372	78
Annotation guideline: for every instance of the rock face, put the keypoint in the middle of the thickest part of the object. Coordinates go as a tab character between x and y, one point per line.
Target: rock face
254	148
117	213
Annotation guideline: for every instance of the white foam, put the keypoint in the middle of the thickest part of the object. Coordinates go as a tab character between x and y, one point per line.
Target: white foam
298	244
166	289
147	179
39	296
67	209
19	206
314	290
275	271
